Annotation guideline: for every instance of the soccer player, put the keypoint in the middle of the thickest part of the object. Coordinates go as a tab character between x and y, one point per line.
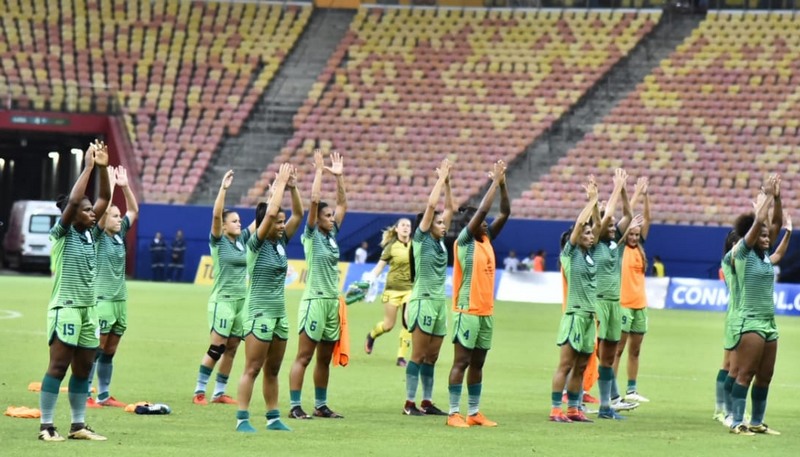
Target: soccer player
398	285
473	302
633	296
110	289
318	320
72	327
226	304
758	334
427	307
266	327
576	335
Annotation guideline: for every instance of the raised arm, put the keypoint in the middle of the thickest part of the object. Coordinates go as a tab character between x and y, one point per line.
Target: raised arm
780	251
636	221
505	207
619	183
131	205
646	212
101	163
112	172
777	212
627	210
450	205
316	188
586	213
78	191
763	202
337	169
427	218
274	204
474	224
297	205
219	204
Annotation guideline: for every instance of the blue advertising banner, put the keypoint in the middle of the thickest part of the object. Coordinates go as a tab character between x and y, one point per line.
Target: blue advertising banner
711	295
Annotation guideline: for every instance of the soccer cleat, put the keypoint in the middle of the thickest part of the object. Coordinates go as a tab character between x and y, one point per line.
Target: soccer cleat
728	421
324	411
479	419
85	433
410	409
635	397
111	401
298	413
576	415
224	399
90	403
763	429
619	405
588	398
50	434
401	362
741	429
279	426
430	409
245	427
609	413
586	409
369	343
557	415
199	399
456	420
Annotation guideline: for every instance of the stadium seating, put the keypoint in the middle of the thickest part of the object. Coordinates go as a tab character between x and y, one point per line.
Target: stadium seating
407	87
183	73
706	126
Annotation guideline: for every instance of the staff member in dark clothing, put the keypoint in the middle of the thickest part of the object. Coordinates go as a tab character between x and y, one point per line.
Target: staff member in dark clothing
176	260
158	254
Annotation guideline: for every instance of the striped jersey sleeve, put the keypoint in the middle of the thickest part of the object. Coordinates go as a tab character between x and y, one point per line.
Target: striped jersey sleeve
322	262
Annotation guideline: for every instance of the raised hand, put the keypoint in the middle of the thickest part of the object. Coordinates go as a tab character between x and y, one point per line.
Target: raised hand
292	181
443	171
120	176
641	185
777	185
88	158
227	180
337	164
101	154
620	178
284	172
787	221
591	188
498	172
637	221
760	198
319	162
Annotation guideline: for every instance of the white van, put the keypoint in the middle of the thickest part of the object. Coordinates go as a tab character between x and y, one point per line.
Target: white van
27	240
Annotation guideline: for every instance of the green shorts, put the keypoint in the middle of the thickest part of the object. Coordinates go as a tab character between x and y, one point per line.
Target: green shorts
226	318
732	334
765	328
113	316
609	316
319	318
634	320
473	331
76	327
579	331
267	328
429	315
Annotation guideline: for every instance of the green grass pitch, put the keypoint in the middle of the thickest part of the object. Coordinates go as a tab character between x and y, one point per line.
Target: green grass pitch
159	356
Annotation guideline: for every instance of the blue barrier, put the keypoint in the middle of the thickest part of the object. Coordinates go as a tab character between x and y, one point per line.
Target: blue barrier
710	295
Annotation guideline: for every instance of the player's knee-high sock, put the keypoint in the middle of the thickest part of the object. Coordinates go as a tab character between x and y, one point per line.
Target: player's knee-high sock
48	398
221	384
720	390
294	398
473	398
93	370
378	330
605	381
573	399
728	392
759	398
405	344
555	399
739	395
320	397
202	379
78	392
426	375
631	386
455	397
412	381
274	421
105	367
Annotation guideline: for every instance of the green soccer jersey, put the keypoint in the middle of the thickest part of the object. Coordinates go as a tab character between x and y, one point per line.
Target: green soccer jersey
266	265
757	282
73	262
110	282
230	267
430	266
733	285
322	261
607	257
581	273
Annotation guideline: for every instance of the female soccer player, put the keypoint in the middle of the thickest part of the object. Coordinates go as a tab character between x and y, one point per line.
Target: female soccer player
473	302
266	327
398	285
427	307
633	296
110	289
577	329
318	321
758	340
72	327
226	304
